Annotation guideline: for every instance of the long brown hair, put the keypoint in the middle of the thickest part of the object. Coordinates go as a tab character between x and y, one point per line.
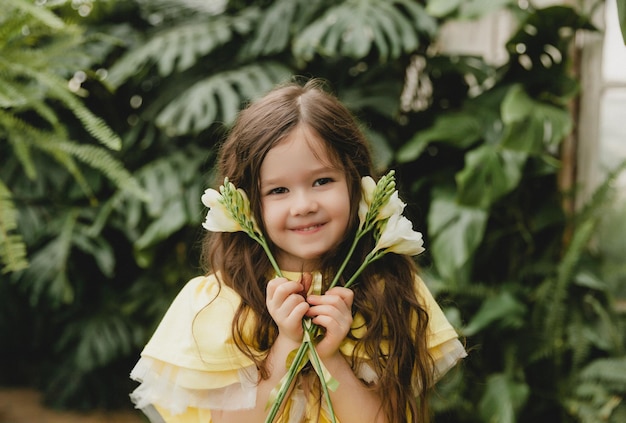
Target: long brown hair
384	293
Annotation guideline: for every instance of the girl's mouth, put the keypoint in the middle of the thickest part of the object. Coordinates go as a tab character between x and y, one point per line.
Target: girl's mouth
310	228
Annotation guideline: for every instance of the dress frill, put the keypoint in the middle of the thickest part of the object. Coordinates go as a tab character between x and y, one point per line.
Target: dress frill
167	385
177	380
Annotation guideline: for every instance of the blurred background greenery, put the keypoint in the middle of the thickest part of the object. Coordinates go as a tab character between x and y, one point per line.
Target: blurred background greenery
110	112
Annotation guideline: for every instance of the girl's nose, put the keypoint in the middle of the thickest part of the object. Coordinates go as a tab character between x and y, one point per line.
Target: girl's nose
303	203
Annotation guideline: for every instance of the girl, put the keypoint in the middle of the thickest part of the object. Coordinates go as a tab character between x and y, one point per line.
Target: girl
223	345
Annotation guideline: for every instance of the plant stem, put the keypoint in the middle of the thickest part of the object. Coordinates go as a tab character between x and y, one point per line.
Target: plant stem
369	259
357	237
293	370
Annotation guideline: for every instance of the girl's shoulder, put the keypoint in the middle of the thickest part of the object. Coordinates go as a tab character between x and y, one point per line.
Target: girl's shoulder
196	329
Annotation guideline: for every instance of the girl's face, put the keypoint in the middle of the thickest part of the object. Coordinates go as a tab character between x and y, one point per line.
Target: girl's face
304	199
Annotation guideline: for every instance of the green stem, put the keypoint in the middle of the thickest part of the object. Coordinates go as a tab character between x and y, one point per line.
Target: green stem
268	253
369	259
318	368
293	370
357	237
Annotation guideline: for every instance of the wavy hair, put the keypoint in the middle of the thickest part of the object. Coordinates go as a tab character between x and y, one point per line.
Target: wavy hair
384	294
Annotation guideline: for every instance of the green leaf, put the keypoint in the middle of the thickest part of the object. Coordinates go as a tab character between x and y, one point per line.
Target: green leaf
352	29
219	96
503	311
456	231
99	249
502	398
532	126
12	247
40	13
172	219
178	48
475	9
460	129
489	173
610	371
441	8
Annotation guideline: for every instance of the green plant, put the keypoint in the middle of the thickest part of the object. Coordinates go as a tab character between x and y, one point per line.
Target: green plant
540	305
35	65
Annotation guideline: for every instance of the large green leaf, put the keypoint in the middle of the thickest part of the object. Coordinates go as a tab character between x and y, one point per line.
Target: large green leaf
503	311
465	9
219	97
456	231
490	172
353	28
460	129
502	398
441	8
177	48
532	126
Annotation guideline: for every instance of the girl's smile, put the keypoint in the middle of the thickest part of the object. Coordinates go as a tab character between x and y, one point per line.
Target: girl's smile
305	200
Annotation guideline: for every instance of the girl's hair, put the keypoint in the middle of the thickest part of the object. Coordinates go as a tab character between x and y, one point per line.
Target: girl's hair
384	294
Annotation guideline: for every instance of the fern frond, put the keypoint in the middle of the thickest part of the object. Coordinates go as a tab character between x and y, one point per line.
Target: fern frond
555	304
102	160
47	274
93	124
179	48
219	97
609	371
12	247
100	339
38	12
56	87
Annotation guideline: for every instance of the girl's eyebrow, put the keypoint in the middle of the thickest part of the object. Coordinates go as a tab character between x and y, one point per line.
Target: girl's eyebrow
320	170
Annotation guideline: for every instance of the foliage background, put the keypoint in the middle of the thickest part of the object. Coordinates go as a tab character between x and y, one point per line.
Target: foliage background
110	113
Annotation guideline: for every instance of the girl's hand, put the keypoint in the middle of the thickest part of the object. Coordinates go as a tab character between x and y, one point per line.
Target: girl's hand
333	312
286	304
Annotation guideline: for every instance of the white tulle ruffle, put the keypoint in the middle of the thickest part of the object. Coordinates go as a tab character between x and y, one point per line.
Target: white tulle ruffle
165	384
446	356
169	385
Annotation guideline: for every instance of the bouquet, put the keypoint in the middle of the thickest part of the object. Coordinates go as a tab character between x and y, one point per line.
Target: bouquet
380	212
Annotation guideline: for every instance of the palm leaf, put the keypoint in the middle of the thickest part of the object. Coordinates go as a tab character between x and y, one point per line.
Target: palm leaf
179	48
219	97
353	28
279	23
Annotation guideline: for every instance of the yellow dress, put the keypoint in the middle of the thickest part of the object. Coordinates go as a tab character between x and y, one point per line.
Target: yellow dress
191	364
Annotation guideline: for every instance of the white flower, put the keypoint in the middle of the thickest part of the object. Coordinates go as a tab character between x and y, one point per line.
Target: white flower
368	186
398	237
218	219
393	206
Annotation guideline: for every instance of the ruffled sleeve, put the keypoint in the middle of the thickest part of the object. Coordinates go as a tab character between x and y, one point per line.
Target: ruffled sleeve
442	340
443	344
191	364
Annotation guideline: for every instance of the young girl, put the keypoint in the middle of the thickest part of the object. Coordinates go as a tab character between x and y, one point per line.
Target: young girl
223	345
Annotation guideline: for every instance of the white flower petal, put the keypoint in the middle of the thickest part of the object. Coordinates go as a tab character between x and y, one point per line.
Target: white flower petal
393	206
399	237
218	219
367	195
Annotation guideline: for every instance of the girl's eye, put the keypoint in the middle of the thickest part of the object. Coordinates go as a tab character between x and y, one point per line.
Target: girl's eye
279	190
322	181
